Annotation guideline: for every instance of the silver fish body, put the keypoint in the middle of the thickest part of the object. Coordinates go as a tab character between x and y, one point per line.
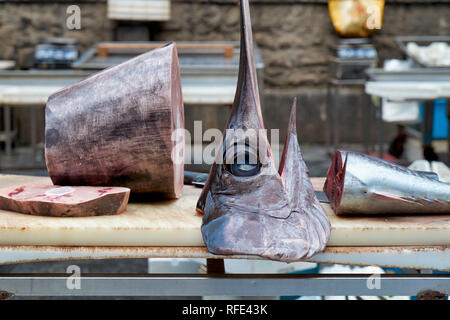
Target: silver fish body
361	184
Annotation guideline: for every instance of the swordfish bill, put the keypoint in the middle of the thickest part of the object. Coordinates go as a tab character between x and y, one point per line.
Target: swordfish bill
361	184
249	207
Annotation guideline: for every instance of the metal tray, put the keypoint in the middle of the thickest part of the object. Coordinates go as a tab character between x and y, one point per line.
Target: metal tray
194	57
417	74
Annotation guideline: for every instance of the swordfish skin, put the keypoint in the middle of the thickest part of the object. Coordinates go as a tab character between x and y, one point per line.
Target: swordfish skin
361	184
251	208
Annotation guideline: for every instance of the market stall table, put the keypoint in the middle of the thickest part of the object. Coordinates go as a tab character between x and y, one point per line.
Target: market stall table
426	84
171	229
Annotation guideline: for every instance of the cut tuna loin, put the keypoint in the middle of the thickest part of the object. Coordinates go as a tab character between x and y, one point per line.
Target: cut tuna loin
122	126
58	201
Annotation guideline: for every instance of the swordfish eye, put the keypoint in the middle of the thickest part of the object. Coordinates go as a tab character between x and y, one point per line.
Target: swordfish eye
244	170
244	162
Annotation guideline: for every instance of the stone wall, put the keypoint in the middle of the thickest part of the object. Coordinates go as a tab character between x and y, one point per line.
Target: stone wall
23	24
294	37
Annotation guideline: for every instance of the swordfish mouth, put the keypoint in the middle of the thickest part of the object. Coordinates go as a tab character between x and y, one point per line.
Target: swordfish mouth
249	207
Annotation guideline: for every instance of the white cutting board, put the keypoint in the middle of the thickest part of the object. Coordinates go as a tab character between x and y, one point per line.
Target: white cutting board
175	223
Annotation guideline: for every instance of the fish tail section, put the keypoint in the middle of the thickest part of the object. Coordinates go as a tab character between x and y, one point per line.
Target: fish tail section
362	184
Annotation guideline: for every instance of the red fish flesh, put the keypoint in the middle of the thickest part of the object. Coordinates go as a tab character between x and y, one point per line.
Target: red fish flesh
57	201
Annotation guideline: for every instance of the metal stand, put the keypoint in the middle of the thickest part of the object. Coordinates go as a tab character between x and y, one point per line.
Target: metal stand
425	85
427	124
8	134
219	283
379	116
334	110
215	266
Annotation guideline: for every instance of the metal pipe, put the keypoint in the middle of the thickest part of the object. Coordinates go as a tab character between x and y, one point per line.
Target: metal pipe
229	284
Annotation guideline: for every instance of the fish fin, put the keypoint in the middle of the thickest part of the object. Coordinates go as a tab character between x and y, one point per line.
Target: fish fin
294	173
291	134
385	195
411	200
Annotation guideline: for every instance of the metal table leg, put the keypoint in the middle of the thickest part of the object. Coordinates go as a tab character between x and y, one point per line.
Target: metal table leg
329	116
336	131
427	125
215	266
379	113
7	129
365	127
33	132
221	285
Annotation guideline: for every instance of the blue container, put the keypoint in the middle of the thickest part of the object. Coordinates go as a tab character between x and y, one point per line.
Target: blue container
440	120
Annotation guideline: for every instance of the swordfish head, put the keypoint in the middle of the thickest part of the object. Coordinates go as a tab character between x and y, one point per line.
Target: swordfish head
249	207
